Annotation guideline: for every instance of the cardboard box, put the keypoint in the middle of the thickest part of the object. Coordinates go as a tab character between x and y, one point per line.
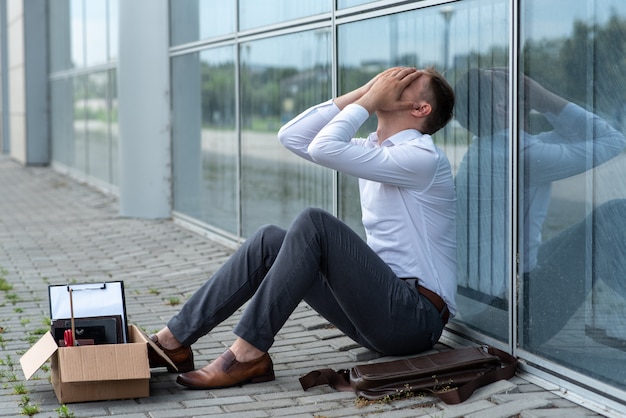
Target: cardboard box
95	372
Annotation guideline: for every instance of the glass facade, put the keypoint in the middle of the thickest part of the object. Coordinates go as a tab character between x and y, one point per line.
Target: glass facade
205	146
571	155
344	4
482	178
276	84
536	143
255	14
193	20
83	52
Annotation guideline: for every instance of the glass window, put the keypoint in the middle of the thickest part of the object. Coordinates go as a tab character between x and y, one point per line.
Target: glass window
114	127
573	252
77	34
344	4
193	20
480	151
84	33
61	120
96	45
59	32
205	138
457	39
276	85
96	110
114	14
254	13
79	161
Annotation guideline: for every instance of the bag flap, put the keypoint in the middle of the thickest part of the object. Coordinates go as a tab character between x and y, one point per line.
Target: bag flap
441	363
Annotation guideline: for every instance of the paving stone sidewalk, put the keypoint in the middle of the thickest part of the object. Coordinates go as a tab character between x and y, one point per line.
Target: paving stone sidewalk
55	230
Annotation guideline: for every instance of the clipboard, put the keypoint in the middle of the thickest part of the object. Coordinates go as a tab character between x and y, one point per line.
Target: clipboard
89	300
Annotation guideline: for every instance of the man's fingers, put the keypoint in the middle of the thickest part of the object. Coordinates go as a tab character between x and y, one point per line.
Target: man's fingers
411	77
385	90
402	72
406	105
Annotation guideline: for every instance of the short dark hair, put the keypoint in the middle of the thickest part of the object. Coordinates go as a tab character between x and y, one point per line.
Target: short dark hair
476	91
442	101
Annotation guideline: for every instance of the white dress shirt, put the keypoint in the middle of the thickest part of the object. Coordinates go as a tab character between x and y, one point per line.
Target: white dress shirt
406	189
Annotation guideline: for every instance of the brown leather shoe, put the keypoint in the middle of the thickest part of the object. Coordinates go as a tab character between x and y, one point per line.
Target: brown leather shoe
226	371
182	357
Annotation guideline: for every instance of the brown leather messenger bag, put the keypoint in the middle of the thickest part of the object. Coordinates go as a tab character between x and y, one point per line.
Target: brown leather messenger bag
451	375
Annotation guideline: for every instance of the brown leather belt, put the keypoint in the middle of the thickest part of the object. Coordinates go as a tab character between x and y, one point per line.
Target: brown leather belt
433	298
436	300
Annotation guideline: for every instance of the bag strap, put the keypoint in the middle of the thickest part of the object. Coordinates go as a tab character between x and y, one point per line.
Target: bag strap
461	393
340	380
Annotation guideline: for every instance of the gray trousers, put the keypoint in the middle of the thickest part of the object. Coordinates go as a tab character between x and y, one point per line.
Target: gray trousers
559	284
322	261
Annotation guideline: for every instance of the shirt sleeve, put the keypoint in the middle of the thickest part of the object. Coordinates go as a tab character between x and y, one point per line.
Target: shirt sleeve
325	135
580	141
297	134
411	164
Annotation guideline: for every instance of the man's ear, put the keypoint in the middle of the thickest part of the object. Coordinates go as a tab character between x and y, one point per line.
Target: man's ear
501	107
421	110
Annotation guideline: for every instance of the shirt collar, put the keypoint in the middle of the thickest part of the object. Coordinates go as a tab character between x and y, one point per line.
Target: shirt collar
397	139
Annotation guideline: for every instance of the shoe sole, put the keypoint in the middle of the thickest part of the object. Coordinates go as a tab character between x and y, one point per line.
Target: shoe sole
182	368
257	379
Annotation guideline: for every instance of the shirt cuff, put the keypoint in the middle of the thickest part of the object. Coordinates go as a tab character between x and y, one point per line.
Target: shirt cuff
357	113
327	109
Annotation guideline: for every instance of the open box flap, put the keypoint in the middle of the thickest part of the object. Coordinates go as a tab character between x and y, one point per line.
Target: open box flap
138	335
38	354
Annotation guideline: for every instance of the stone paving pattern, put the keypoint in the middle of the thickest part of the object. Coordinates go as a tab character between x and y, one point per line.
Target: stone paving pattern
55	230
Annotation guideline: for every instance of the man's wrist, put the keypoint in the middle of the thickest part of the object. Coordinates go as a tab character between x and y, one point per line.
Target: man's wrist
366	104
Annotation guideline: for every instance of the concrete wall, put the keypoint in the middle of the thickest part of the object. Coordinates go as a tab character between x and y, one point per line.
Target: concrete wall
27	73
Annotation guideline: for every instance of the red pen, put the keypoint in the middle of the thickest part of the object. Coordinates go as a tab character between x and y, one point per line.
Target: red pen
67	337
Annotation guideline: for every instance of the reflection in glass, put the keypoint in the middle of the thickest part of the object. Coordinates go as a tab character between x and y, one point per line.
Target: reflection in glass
277	84
114	127
59	36
80	135
483	201
572	161
205	137
113	30
193	20
254	13
83	33
478	144
96	45
77	40
96	114
61	121
344	4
